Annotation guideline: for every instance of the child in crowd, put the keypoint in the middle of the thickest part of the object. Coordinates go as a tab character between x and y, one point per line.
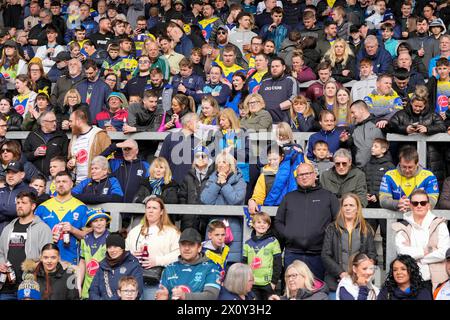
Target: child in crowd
379	163
215	248
128	288
244	112
112	63
38	183
198	66
322	158
187	81
263	253
390	44
57	164
93	249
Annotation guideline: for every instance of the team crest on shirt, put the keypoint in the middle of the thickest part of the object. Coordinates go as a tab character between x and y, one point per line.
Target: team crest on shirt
140	172
105	190
76	215
27	292
123	270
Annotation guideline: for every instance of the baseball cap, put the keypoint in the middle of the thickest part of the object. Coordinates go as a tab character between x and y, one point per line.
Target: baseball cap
15	166
63	56
388	16
179	2
10	43
190	235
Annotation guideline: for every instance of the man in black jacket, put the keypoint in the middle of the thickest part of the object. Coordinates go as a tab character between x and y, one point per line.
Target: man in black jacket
46	142
38	34
302	218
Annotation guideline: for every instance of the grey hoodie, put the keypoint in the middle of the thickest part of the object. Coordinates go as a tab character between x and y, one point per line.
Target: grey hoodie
38	235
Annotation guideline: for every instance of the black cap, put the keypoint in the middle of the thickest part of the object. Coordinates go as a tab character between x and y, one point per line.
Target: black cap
190	235
115	240
354	28
197	2
15	166
63	56
3	32
10	43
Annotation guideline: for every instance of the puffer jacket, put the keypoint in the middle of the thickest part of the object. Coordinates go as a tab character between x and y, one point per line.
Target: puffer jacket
319	292
354	181
191	187
333	250
375	170
62	283
14	120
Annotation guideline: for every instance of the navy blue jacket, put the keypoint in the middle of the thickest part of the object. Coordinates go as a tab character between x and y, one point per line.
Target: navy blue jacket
192	83
100	93
128	174
398	294
382	61
330	137
129	267
185	46
93	192
227	295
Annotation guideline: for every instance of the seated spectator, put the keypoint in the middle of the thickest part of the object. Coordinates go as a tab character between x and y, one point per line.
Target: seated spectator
45	142
440	293
30	121
344	177
258	118
12	118
200	277
154	242
50	273
228	64
106	280
322	161
301	284
342	61
11	64
38	183
328	100
438	89
276	30
26	98
262	253
145	116
316	89
367	82
444	52
101	187
398	184
128	288
238	283
328	132
66	82
300	70
209	115
357	284
181	105
342	108
389	41
382	60
404	281
115	114
72	102
302	115
37	74
192	186
187	81
424	237
347	235
11	151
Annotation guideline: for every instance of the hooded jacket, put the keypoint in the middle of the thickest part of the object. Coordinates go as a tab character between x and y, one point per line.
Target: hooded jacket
275	91
375	170
62	283
57	145
108	276
339	246
319	292
354	181
303	216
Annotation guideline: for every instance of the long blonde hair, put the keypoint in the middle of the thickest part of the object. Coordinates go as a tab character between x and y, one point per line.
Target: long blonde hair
330	55
303	270
301	100
164	221
162	162
364	227
230	115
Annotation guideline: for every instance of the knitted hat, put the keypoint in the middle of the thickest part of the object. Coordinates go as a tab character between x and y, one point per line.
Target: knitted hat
97	213
29	288
115	240
121	96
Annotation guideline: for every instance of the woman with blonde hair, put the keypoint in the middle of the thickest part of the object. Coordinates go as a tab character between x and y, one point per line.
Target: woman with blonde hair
342	61
302	115
72	102
259	118
238	283
159	183
342	108
301	284
210	111
155	243
348	234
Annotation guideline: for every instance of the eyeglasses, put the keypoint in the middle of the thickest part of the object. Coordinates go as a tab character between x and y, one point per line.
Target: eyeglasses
221	32
253	103
201	156
292	276
6	150
341	164
304	175
422	203
144	61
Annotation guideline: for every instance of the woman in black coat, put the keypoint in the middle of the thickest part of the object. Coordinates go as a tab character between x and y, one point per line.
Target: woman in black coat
72	102
349	234
14	120
342	61
159	183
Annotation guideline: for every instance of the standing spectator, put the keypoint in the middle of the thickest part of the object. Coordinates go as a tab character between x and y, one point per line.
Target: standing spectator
22	239
259	73
242	36
26	97
69	217
381	59
117	263
315	90
422	42
33	19
216	87
398	184
425	238
276	30
307	244
348	235
87	142
300	70
48	52
37	74
182	44
444	52
103	35
38	34
343	26
159	237
145	116
11	64
278	90
93	90
330	33
66	82
72	102
114	116
404	281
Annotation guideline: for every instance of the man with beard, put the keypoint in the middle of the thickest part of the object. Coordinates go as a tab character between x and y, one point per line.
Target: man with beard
163	89
15	175
93	90
278	91
87	142
104	34
65	214
22	239
136	85
67	82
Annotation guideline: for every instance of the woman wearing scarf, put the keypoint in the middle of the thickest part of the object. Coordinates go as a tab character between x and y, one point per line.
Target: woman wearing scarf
118	263
159	183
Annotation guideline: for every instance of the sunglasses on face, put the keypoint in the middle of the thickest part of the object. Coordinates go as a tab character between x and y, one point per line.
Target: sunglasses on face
6	150
422	203
221	32
341	164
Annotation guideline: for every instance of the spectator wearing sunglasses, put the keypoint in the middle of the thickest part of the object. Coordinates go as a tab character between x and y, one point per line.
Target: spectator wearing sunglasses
425	237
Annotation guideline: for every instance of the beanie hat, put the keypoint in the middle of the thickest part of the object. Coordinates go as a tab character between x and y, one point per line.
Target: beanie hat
116	240
96	213
121	97
29	288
